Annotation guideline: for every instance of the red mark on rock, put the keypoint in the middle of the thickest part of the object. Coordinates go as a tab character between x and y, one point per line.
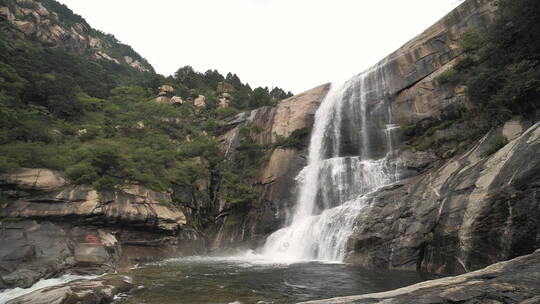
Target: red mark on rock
92	239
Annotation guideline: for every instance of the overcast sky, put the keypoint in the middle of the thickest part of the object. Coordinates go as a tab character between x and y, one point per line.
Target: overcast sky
293	44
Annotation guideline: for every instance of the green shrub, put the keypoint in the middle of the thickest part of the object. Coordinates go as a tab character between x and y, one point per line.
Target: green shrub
496	143
296	140
448	76
501	67
424	146
82	173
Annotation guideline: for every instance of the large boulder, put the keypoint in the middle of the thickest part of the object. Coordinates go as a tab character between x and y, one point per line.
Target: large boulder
200	101
165	90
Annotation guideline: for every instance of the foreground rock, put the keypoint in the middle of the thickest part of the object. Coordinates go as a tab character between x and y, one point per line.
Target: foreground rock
515	281
97	291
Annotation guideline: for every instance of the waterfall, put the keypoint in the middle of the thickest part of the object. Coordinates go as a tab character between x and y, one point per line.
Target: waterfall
350	155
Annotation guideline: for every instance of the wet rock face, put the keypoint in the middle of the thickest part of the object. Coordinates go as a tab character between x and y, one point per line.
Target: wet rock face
469	213
515	281
449	215
31	251
97	291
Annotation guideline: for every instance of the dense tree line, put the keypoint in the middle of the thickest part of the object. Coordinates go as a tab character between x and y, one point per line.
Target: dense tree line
190	82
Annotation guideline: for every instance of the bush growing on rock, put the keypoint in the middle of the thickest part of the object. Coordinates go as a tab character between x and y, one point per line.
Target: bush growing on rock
495	144
501	67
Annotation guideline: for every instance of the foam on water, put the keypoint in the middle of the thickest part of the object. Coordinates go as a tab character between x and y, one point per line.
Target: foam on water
10	294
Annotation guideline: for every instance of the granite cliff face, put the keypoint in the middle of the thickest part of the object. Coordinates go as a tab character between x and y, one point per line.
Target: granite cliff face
450	214
412	91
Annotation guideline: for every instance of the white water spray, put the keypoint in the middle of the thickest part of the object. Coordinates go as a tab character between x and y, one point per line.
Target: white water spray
350	155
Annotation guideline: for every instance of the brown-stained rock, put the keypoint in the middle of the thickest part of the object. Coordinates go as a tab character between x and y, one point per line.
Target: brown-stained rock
31	250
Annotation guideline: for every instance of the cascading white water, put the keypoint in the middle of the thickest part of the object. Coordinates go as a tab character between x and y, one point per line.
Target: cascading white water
350	155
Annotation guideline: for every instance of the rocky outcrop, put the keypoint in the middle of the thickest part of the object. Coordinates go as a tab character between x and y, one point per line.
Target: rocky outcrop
413	91
277	180
224	91
200	102
470	213
97	291
166	96
165	90
515	281
53	199
32	19
449	215
49	227
136	64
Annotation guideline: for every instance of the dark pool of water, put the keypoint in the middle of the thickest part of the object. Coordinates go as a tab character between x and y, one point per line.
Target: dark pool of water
229	280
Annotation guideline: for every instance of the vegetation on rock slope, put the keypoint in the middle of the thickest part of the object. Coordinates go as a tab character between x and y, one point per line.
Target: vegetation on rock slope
500	69
98	121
